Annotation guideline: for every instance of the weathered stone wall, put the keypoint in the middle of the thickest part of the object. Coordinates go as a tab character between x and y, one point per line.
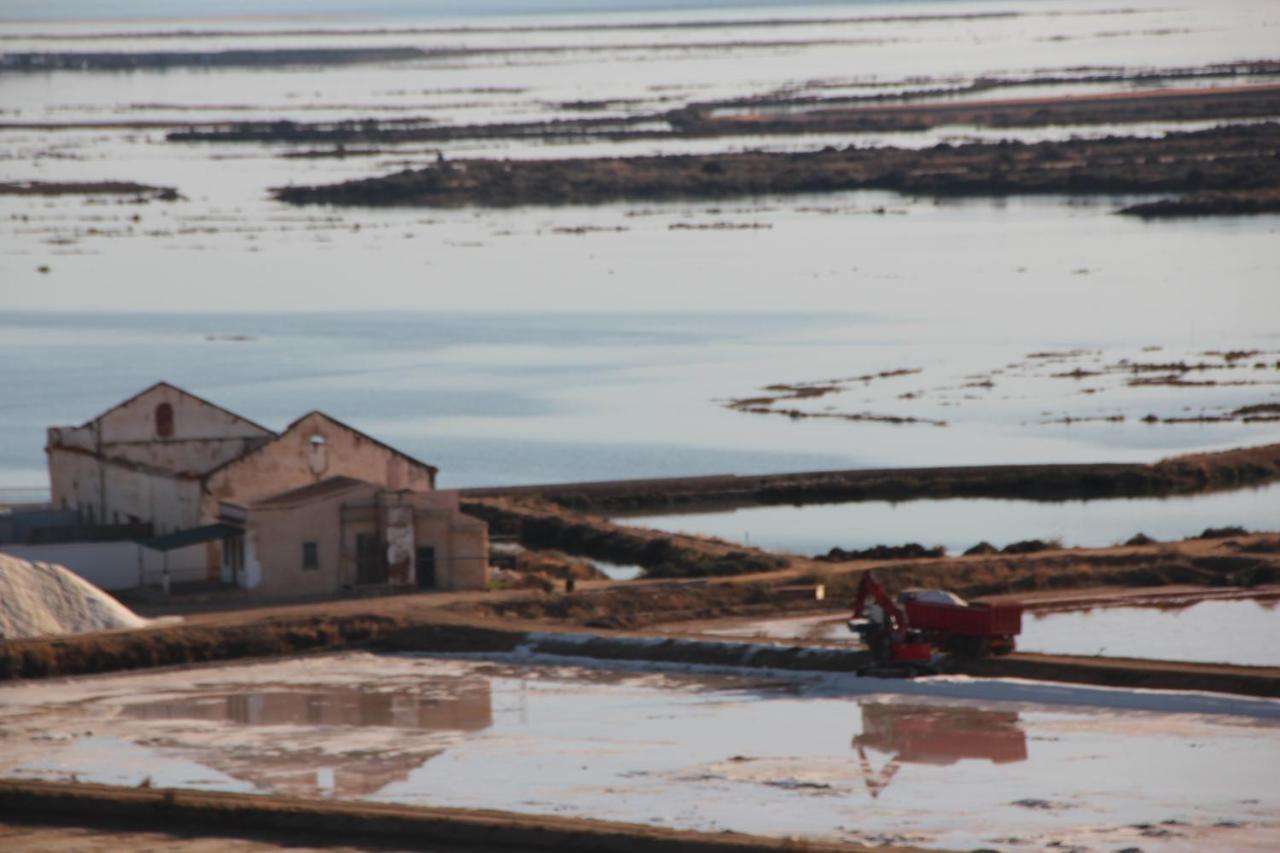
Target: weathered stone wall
169	503
82	437
107	493
75	482
185	456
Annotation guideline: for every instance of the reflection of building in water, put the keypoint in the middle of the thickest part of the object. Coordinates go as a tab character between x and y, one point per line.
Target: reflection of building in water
935	734
318	762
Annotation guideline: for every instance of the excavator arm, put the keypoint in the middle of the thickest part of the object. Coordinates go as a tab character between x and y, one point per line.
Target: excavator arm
870	588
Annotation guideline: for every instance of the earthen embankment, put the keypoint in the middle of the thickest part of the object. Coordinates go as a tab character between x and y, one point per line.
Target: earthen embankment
1177	475
326	823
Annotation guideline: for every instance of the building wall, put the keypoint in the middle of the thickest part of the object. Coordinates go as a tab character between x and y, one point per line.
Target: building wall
469	544
275	537
75	482
461	542
169	503
110	493
274	547
312	449
195	456
82	437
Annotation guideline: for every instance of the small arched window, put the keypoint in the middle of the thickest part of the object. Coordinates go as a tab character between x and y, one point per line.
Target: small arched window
164	420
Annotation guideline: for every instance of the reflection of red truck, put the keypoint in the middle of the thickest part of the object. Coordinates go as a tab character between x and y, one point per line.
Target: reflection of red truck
935	734
921	623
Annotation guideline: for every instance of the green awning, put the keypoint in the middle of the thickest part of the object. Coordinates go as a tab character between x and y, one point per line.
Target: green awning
193	536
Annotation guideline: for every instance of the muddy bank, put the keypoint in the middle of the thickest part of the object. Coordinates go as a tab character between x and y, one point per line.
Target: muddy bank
1177	475
254	816
374	131
57	188
186	644
695	24
910	107
1217	565
241	58
161	60
641	606
544	526
1131	674
1242	203
933	89
1196	370
1260	101
1227	158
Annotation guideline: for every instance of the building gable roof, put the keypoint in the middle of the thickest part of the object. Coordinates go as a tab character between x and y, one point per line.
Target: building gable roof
312	491
295	424
162	384
364	435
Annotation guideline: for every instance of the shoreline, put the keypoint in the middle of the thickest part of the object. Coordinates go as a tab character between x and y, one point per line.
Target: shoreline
295	821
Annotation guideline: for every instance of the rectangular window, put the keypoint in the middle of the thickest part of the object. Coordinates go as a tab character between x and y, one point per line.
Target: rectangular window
310	555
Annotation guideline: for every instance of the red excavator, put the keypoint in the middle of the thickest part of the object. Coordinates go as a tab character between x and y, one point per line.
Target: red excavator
916	633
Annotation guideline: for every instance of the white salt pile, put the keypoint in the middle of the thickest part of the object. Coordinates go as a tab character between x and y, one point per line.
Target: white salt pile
42	599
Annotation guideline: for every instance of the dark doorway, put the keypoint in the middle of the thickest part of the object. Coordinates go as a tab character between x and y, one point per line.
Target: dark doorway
425	563
371	559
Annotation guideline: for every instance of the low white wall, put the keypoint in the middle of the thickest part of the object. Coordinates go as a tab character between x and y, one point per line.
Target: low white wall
106	565
185	564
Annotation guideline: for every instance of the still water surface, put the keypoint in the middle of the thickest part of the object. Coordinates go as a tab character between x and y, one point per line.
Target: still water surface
857	760
1238	632
552	344
1245	632
959	523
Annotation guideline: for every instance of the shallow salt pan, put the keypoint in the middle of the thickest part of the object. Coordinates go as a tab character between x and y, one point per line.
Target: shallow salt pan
856	759
1244	632
959	523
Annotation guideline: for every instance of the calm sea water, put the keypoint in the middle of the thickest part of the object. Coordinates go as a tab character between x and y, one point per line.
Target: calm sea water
533	345
514	398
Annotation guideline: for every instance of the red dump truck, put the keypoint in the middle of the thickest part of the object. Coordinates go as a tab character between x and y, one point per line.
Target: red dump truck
922	625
